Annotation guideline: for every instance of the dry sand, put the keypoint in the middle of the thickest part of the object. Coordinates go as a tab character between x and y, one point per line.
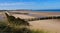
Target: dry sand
47	25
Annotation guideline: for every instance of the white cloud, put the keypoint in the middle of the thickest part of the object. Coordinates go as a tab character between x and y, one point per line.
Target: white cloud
17	3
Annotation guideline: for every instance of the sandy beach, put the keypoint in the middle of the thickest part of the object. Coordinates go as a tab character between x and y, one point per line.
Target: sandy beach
52	25
47	25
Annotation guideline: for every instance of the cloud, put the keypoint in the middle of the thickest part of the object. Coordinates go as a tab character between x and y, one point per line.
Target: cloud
17	3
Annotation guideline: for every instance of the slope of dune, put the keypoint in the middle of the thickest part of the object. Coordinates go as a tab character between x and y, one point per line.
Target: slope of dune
23	16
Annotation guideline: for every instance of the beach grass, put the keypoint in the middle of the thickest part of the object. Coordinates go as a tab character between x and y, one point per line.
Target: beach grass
38	31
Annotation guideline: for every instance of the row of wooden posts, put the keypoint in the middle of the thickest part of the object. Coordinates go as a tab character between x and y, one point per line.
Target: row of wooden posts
44	18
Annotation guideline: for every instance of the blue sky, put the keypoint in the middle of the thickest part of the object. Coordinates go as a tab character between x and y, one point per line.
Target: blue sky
29	4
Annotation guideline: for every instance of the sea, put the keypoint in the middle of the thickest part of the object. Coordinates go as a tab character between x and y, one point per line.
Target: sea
46	11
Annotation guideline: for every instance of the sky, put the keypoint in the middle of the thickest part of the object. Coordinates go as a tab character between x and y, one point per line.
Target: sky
29	4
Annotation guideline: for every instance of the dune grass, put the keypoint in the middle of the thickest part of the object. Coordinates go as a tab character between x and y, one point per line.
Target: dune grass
8	29
38	31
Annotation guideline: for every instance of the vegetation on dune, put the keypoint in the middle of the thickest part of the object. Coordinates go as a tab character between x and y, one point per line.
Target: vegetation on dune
38	31
8	29
16	21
